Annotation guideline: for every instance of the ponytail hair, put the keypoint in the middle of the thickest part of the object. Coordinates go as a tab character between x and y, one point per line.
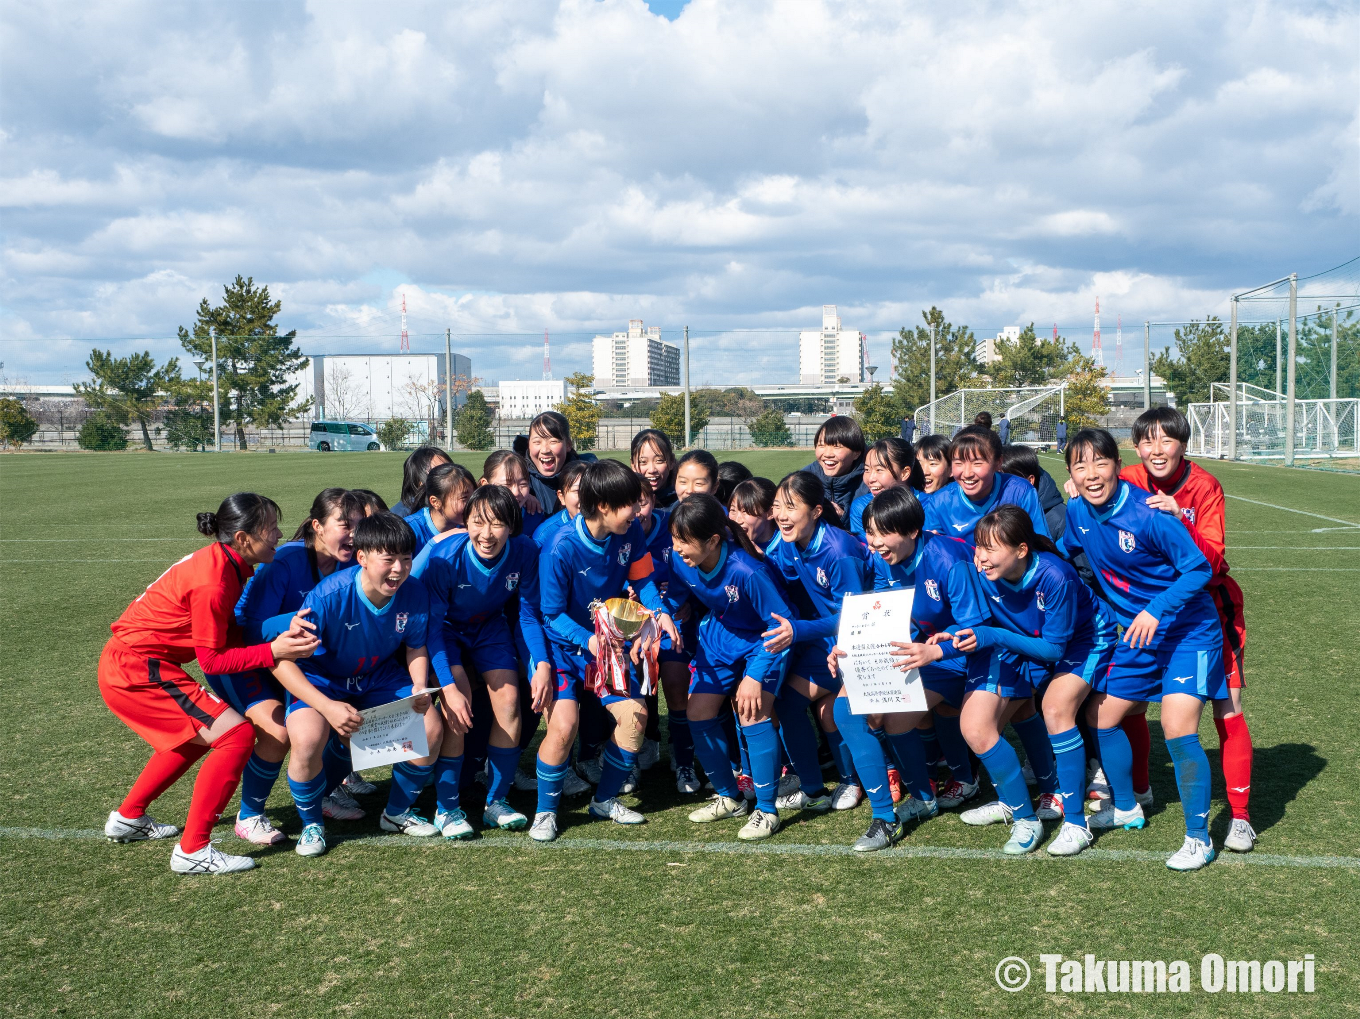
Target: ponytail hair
443	481
1011	526
700	517
244	511
508	459
413	473
808	489
326	503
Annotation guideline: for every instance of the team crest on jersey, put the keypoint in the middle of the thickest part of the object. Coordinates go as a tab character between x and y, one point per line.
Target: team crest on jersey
933	590
402	618
733	592
1126	540
1189	513
821	577
625	552
511	581
1039	600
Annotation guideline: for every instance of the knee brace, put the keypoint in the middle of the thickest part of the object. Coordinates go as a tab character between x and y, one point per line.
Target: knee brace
631	719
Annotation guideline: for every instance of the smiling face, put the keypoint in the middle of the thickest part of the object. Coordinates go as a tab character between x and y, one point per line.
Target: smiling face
690	478
974	474
895	548
447	513
486	533
758	528
384	573
617	519
835	460
547	453
936	471
879	475
259	547
645	506
795	519
1161	454
570	497
653	465
510	474
698	554
1096	477
334	536
1000	561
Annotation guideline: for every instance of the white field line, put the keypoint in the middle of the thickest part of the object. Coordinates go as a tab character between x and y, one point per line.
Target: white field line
1295	569
523	845
101	540
1296	548
1290	509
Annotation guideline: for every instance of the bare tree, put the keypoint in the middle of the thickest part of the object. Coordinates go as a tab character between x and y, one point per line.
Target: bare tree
344	398
424	400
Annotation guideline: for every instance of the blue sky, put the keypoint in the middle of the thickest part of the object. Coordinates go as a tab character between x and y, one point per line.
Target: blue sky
512	167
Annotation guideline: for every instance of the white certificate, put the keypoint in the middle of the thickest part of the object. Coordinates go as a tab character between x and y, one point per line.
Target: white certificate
873	681
391	732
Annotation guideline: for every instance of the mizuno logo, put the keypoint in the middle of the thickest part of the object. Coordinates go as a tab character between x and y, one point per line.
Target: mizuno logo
1083	530
996	598
874	789
1205	814
960	527
1181	679
584	572
763	785
350	626
1066	795
1240	788
461	586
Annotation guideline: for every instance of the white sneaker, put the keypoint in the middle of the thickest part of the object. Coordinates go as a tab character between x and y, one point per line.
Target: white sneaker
686	781
258	831
573	784
912	809
499	814
1028	773
208	860
453	824
614	810
1097	786
312	841
544	828
760	826
1144	798
525	782
789	784
1050	807
1241	837
409	823
800	800
956	793
1110	817
359	785
720	808
590	770
341	806
846	796
1192	855
1071	840
1026	834
136	829
650	755
630	783
995	812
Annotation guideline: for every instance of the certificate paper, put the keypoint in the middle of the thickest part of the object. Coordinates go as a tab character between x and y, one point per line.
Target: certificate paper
390	733
869	625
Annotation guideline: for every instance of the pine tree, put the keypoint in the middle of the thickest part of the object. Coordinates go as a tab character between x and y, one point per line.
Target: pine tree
1201	360
581	410
126	389
473	424
878	413
1086	400
955	360
1030	361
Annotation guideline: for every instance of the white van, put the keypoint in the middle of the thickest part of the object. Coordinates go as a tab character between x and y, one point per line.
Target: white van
337	435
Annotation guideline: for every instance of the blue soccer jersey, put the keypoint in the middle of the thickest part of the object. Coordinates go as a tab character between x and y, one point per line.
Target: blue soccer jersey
1146	561
659	545
545	532
949	511
276	591
466	593
530	522
947	591
423	527
357	638
834	563
1045	610
857	508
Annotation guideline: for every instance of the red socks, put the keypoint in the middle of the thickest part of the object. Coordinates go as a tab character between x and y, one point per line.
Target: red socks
1140	741
217	781
161	772
1234	741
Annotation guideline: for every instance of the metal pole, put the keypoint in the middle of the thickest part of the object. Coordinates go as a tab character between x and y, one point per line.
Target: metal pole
448	387
687	386
1336	437
1279	381
1147	365
217	410
1293	350
932	377
1232	383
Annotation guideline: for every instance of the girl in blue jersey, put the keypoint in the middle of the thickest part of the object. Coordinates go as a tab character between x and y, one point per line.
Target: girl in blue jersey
654	458
511	471
413	472
887	464
978	488
594	558
372	623
839	463
471	580
715	565
1154	577
566	506
932	454
697	471
323	544
820	563
446	491
752	509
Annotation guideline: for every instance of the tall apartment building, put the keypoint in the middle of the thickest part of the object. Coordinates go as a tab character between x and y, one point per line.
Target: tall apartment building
637	357
829	354
985	352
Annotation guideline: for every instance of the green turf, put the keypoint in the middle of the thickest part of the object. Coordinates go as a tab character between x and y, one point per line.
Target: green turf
636	922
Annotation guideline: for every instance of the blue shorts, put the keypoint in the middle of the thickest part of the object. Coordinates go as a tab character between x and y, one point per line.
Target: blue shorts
720	674
689	635
1003	673
1145	674
388	682
571	678
243	690
487	646
946	681
1089	660
808	660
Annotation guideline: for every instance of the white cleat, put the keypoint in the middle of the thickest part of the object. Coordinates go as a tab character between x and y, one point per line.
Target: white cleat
956	793
409	823
800	800
630	783
590	770
1050	807
912	809
208	860
650	755
686	781
1111	817
574	785
1192	855
1028	774
760	826
359	785
525	782
789	784
341	806
995	812
614	810
453	824
312	841
1097	787
1241	837
258	831
1026	834
846	796
1071	840
720	808
499	814
544	828
136	829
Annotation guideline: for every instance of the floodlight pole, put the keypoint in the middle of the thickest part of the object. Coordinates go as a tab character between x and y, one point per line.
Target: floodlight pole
932	378
1147	365
448	387
686	387
217	409
1279	381
1232	383
1336	438
1290	373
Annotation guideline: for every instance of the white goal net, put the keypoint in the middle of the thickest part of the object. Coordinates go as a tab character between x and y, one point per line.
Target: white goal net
1033	412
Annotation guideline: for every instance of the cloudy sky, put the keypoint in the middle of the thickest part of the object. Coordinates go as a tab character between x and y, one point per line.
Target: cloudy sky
726	164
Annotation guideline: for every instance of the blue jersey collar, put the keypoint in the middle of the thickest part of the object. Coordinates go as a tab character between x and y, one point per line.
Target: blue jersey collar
1112	507
363	598
585	535
722	561
481	566
1025	580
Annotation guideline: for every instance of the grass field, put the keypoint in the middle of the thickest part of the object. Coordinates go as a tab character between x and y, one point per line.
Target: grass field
667	919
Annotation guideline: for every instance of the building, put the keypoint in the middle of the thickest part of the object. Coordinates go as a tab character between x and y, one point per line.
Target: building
377	387
986	347
829	354
527	399
637	357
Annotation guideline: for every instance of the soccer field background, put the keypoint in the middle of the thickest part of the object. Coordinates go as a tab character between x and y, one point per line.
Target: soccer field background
669	918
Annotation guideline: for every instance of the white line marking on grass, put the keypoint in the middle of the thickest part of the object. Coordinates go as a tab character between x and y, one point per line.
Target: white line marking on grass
1315	530
119	538
7	562
1296	548
1295	569
521	845
1290	509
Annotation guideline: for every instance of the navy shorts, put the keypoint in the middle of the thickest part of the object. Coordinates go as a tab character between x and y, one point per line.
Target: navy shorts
243	690
388	682
488	646
1149	674
1003	673
808	660
948	682
720	674
1089	660
689	636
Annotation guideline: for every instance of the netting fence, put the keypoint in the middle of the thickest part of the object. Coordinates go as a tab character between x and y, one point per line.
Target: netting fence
1033	412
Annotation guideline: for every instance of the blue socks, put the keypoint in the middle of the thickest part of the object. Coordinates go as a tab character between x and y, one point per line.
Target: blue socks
618	765
932	744
800	739
256	782
949	732
682	740
407	782
729	724
1034	738
910	752
1192	779
307	797
550	779
1116	757
761	743
845	760
1069	752
447	771
336	763
501	763
868	758
1003	764
710	746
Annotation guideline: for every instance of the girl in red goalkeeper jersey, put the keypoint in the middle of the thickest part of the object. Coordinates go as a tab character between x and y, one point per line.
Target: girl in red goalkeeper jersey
188	613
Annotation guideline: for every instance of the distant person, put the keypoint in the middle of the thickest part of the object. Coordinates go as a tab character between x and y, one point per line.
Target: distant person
1062	434
1003	429
984	419
908	429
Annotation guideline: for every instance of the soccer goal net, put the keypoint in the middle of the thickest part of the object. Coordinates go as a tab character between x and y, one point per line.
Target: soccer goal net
1322	428
1033	412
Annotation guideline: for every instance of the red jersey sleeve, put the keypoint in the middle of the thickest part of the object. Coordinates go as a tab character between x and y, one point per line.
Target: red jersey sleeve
1201	497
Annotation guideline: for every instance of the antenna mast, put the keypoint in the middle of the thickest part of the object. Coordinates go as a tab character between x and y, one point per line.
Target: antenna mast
1097	354
405	340
547	361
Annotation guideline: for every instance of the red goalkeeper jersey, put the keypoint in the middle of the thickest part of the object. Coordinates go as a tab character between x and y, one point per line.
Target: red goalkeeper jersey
1200	497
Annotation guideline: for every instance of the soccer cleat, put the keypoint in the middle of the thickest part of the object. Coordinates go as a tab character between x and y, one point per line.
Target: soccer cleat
525	782
136	829
614	810
1111	817
1192	855
880	835
359	785
686	781
408	823
956	793
1071	840
1144	798
912	809
573	784
499	814
846	796
995	812
1026	834
789	783
590	770
720	808
1028	774
760	826
1241	838
312	841
341	806
1050	807
208	860
544	828
747	785
1097	787
895	785
650	755
800	800
453	824
258	831
630	783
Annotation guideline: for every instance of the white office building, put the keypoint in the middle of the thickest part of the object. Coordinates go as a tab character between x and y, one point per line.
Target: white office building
829	354
521	400
637	357
985	352
376	387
